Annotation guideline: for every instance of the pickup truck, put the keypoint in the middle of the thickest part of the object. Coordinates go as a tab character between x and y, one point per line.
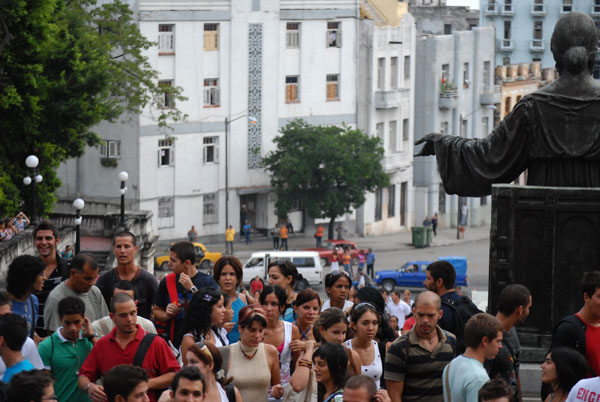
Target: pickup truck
413	273
337	246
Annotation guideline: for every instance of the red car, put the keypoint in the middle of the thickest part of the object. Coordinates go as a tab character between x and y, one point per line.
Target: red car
337	246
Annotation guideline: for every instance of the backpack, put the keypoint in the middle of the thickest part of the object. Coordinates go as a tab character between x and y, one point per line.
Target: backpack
463	309
579	327
168	327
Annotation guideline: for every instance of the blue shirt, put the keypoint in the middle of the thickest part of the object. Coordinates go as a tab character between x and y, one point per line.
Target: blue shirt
29	310
371	258
23	365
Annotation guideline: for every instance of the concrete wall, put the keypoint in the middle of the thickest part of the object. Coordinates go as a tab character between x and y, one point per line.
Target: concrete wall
434	19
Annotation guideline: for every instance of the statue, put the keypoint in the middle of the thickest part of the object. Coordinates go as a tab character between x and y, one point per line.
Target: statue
553	132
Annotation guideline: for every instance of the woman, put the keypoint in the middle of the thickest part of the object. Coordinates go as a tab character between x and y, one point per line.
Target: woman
385	334
364	320
227	272
346	260
562	369
362	259
335	263
254	365
208	359
352	293
20	222
278	332
306	309
330	363
394	325
284	274
406	297
203	317
68	253
332	327
337	286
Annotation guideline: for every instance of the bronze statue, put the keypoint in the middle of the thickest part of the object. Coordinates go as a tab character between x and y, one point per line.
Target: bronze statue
553	132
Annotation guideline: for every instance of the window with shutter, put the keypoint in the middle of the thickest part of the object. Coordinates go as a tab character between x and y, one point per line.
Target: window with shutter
334	34
211	37
166	153
166	42
292	35
211	92
167	101
291	89
211	149
332	87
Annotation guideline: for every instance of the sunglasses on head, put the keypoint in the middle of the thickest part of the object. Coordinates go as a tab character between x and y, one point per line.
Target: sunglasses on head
204	350
364	305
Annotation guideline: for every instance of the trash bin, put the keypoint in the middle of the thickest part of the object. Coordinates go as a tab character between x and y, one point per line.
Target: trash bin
429	236
419	236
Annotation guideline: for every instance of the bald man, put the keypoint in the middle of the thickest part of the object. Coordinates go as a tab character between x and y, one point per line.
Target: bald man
430	348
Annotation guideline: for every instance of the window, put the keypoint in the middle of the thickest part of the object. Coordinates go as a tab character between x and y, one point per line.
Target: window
110	149
486	74
506	61
447	29
209	210
491	6
444	128
291	89
212	95
378	204
403	196
445	72
166	153
211	149
333	90
407	67
538	6
537	33
334	34
405	130
380	73
596	6
508	5
466	79
567	6
507	30
292	35
166	43
211	37
394	72
166	100
391	201
166	212
393	132
379	132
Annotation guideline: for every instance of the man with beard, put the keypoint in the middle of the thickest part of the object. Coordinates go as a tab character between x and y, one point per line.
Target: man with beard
415	361
513	308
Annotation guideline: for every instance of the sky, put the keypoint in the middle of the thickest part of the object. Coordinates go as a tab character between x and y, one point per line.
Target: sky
474	4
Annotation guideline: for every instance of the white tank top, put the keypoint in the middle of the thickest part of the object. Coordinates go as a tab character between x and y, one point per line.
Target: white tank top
375	369
222	393
285	357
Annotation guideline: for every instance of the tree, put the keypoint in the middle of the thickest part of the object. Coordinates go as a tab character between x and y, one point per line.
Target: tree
65	66
327	169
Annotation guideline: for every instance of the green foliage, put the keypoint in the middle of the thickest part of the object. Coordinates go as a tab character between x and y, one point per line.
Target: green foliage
65	66
327	169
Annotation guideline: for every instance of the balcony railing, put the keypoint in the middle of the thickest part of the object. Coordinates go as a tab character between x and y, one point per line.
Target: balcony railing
506	45
537	45
491	9
595	10
448	99
508	10
538	10
490	95
391	99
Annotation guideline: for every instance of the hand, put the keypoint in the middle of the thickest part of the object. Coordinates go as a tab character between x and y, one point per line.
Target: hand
172	309
297	345
186	281
277	391
165	396
96	393
382	396
88	330
229	326
429	141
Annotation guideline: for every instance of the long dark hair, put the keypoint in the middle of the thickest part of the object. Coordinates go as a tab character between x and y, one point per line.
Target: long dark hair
287	268
571	367
328	319
337	362
278	292
198	315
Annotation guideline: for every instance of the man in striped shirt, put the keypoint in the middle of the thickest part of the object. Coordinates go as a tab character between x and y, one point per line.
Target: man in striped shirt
414	362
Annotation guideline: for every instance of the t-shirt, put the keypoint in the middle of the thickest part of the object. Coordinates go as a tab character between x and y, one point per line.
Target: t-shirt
283	232
400	310
59	275
199	280
347	305
506	364
95	307
29	310
466	377
23	365
64	358
587	390
230	235
592	347
145	285
29	352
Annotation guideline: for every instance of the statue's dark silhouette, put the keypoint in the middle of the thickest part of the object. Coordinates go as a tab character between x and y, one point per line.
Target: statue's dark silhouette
554	132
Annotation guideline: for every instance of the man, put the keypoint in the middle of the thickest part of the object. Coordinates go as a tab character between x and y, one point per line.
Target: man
398	307
465	375
514	303
581	331
104	325
65	351
361	388
275	235
283	233
145	283
188	280
192	234
188	385
229	239
13	332
126	384
319	235
415	361
29	350
45	237
496	390
120	347
371	263
247	227
31	386
84	271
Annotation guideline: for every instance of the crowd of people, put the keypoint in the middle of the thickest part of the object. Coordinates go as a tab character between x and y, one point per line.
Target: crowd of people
11	227
71	333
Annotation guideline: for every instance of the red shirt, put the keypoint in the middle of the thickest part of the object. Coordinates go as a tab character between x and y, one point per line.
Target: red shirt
107	353
592	347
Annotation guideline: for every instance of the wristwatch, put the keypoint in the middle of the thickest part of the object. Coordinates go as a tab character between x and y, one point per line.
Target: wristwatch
194	289
87	388
92	336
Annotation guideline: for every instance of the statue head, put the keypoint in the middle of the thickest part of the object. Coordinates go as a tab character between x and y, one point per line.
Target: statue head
574	43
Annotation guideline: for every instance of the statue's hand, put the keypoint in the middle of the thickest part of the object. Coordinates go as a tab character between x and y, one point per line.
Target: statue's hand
429	141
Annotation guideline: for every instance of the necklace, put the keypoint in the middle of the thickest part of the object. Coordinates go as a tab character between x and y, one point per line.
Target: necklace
248	355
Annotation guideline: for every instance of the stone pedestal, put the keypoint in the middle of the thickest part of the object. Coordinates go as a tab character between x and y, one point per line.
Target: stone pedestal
544	238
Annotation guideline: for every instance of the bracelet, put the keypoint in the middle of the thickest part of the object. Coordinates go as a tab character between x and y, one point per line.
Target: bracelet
305	363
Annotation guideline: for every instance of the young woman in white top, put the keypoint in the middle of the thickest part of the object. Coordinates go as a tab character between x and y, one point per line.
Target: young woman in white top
205	311
337	286
364	320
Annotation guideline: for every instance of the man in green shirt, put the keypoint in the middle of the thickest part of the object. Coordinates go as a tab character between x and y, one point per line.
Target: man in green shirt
64	352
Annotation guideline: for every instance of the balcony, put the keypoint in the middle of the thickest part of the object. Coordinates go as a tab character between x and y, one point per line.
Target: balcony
508	10
391	99
490	95
595	11
506	45
491	9
537	45
538	10
448	99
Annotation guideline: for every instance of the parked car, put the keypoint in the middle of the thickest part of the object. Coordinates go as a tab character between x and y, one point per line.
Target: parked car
307	262
204	258
337	246
413	273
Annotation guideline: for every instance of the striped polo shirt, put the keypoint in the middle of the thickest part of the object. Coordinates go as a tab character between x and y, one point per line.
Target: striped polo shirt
422	371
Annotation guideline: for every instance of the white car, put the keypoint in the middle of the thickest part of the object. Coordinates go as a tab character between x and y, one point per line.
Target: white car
307	262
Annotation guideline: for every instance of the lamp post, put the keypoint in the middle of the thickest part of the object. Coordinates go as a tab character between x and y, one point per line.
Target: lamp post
78	204
123	176
252	120
33	178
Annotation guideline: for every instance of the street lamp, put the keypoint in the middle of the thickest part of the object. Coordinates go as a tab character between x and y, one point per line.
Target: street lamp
123	176
252	120
78	204
34	178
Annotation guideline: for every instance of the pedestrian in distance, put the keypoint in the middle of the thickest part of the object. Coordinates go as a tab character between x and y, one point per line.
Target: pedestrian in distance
192	234
346	261
341	232
283	233
319	235
371	263
434	223
229	239
247	228
275	236
427	222
362	259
